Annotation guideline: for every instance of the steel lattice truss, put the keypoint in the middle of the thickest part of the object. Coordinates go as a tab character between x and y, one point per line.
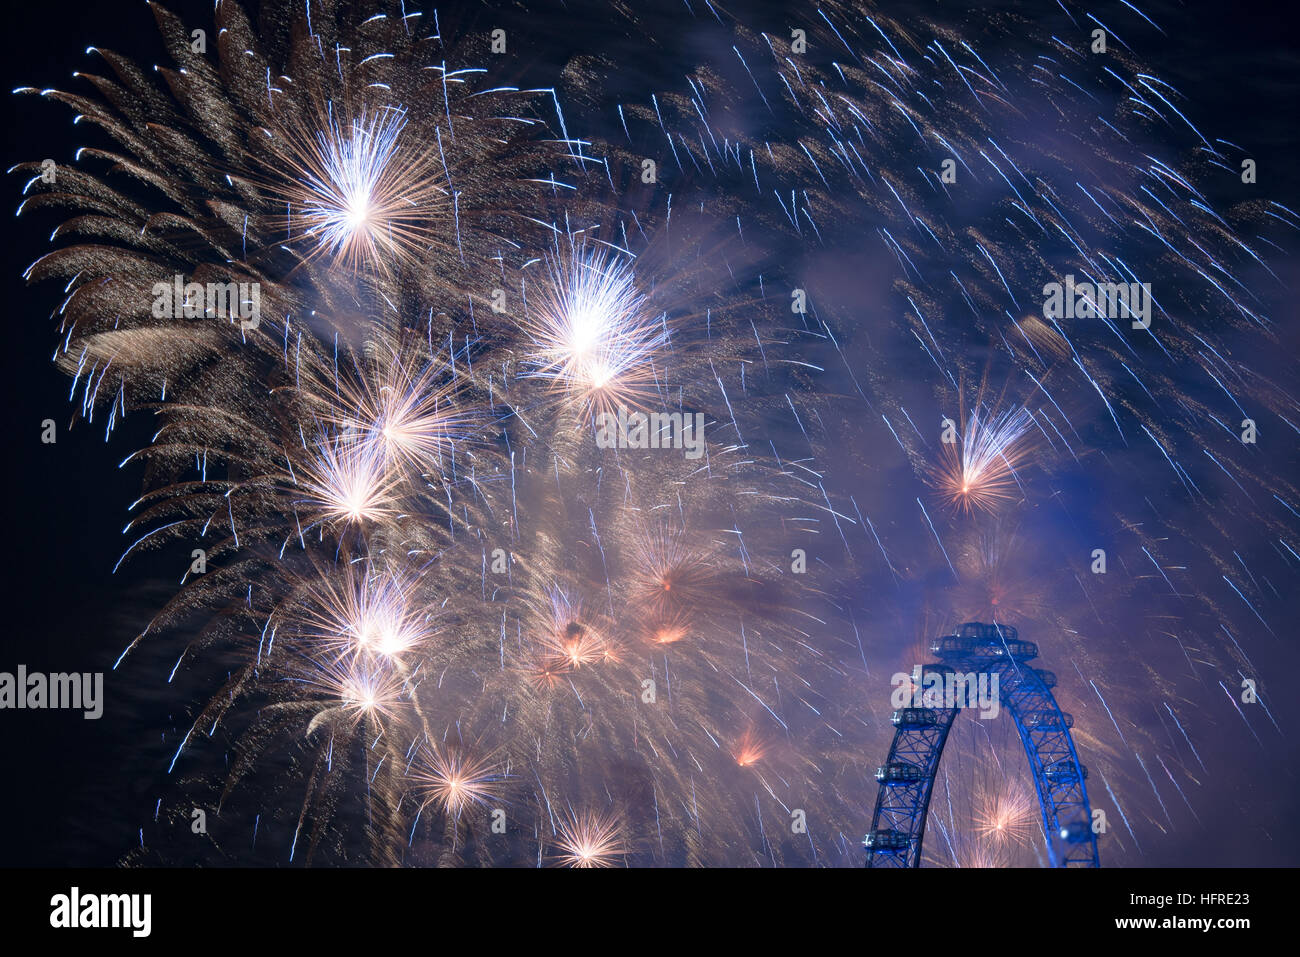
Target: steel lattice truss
907	776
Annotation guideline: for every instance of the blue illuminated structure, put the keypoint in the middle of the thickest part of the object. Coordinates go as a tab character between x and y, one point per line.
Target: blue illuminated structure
907	776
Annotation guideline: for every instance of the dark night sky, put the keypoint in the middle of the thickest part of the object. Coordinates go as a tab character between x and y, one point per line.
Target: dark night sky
75	790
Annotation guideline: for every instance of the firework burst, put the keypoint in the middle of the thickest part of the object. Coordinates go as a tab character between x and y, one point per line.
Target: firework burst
979	472
592	335
589	839
453	781
357	192
1008	816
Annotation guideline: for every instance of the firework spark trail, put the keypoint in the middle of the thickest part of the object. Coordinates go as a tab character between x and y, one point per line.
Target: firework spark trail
936	537
1183	731
1179	787
1241	713
1109	713
1119	807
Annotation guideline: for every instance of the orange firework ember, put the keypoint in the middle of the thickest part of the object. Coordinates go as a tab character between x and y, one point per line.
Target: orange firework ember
750	749
545	675
670	631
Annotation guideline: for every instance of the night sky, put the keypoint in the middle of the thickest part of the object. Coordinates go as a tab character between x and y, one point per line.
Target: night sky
80	792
